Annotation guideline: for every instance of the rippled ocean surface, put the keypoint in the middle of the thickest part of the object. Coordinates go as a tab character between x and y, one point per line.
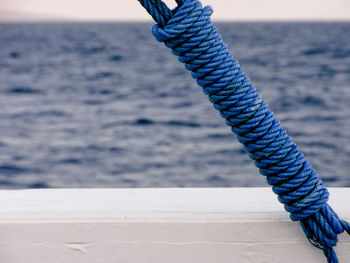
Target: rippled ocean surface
105	105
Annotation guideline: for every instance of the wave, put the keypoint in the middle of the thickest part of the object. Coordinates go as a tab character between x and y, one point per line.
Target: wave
183	124
115	58
12	169
316	51
143	122
24	90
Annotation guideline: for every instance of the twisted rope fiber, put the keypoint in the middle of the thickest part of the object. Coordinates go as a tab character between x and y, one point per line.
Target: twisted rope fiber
189	32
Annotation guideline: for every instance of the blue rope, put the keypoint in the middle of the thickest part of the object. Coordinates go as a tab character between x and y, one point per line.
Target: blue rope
189	32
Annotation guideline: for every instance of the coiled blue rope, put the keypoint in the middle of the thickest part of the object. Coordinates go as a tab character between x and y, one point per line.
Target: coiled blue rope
189	32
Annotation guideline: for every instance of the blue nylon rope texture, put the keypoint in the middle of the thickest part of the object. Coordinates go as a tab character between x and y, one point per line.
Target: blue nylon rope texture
189	33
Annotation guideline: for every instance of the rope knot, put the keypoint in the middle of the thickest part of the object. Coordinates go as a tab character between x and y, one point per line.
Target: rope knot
183	18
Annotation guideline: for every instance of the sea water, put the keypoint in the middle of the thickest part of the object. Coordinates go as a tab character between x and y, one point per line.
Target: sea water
105	105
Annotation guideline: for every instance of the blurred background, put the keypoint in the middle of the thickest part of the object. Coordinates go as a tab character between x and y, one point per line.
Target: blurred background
88	98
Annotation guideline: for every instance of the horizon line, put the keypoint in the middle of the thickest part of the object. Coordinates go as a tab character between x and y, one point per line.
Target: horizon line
220	20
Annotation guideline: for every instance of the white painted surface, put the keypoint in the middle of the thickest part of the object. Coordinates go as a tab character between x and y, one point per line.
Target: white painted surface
156	225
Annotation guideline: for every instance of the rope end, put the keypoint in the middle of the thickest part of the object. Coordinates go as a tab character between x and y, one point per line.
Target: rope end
322	229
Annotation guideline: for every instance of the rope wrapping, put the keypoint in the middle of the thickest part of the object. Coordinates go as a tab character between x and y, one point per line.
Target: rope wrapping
189	33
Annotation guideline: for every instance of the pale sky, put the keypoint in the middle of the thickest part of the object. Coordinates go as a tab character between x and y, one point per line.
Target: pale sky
131	9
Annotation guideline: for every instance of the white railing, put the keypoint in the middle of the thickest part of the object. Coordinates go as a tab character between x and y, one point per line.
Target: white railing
175	225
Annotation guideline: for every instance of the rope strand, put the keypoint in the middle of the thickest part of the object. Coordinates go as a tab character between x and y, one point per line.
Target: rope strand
189	32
